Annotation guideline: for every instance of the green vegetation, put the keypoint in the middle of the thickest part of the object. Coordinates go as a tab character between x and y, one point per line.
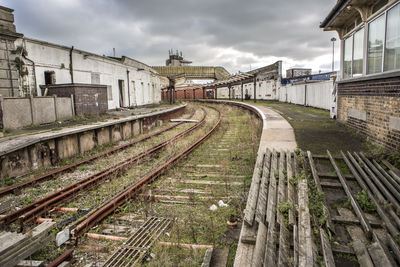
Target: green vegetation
284	208
316	200
365	201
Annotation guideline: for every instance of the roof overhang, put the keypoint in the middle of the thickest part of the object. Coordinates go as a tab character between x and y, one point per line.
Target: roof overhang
345	12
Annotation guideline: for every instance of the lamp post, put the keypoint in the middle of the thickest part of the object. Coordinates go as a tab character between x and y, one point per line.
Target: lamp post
333	40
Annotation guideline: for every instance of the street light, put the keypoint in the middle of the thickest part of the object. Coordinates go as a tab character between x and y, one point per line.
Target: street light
333	40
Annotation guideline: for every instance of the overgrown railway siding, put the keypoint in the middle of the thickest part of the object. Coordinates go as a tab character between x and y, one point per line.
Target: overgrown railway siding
168	205
237	140
29	194
25	153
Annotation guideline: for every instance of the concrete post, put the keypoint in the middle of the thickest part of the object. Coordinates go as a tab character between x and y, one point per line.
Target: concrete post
32	109
55	107
72	106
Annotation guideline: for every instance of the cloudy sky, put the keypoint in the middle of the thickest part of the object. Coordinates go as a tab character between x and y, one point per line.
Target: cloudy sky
236	34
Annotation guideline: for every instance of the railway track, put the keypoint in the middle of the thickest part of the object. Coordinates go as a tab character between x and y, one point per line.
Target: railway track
192	184
56	172
158	161
34	210
133	190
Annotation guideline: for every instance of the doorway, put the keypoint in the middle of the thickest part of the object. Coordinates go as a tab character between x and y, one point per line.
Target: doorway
121	92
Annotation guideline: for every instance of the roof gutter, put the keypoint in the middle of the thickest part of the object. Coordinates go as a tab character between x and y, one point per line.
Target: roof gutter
340	5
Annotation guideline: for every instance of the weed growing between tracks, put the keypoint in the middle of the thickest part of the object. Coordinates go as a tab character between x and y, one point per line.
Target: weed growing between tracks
28	194
221	168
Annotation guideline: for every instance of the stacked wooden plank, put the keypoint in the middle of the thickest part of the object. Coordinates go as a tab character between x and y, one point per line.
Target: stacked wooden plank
15	247
277	228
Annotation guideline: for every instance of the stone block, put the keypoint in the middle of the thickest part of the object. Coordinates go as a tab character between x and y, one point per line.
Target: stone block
116	133
6	15
67	146
43	110
86	141
357	114
103	136
137	127
62	237
16	113
394	123
127	130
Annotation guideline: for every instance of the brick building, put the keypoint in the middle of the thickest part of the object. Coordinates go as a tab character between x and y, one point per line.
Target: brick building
9	75
368	88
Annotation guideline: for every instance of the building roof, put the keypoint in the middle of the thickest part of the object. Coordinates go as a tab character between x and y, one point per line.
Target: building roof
344	12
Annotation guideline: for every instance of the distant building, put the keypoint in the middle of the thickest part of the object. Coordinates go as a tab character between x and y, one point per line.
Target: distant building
295	72
368	87
176	59
29	66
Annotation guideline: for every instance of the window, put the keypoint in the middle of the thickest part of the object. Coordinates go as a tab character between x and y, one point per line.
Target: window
376	35
392	46
49	77
379	5
358	44
348	50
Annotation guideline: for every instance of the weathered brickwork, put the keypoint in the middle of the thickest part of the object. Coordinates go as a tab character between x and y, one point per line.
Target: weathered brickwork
9	76
89	99
379	101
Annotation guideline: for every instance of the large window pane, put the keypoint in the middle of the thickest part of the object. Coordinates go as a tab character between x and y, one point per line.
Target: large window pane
376	34
358	53
392	49
348	53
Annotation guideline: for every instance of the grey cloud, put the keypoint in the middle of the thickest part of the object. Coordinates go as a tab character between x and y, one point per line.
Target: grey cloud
146	29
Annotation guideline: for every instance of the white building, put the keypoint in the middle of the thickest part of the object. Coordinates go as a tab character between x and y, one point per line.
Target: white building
129	82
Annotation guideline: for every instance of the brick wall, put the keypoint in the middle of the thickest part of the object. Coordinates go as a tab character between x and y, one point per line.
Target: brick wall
89	99
372	107
9	76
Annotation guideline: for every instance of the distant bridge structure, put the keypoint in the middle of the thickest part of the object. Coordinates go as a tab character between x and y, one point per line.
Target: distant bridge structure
194	72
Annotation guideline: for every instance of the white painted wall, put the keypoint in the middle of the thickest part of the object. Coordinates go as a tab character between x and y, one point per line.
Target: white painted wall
316	94
51	57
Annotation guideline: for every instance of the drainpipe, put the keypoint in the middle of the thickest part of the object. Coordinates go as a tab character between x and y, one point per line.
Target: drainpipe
255	90
71	68
33	67
9	69
129	91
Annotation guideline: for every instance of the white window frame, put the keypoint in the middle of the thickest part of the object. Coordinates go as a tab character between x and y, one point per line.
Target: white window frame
382	12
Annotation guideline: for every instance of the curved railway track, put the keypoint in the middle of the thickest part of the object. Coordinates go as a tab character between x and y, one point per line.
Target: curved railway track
133	190
54	173
124	183
37	208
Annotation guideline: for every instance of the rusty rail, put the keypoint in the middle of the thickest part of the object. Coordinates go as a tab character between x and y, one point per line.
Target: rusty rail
30	212
119	200
53	173
66	256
